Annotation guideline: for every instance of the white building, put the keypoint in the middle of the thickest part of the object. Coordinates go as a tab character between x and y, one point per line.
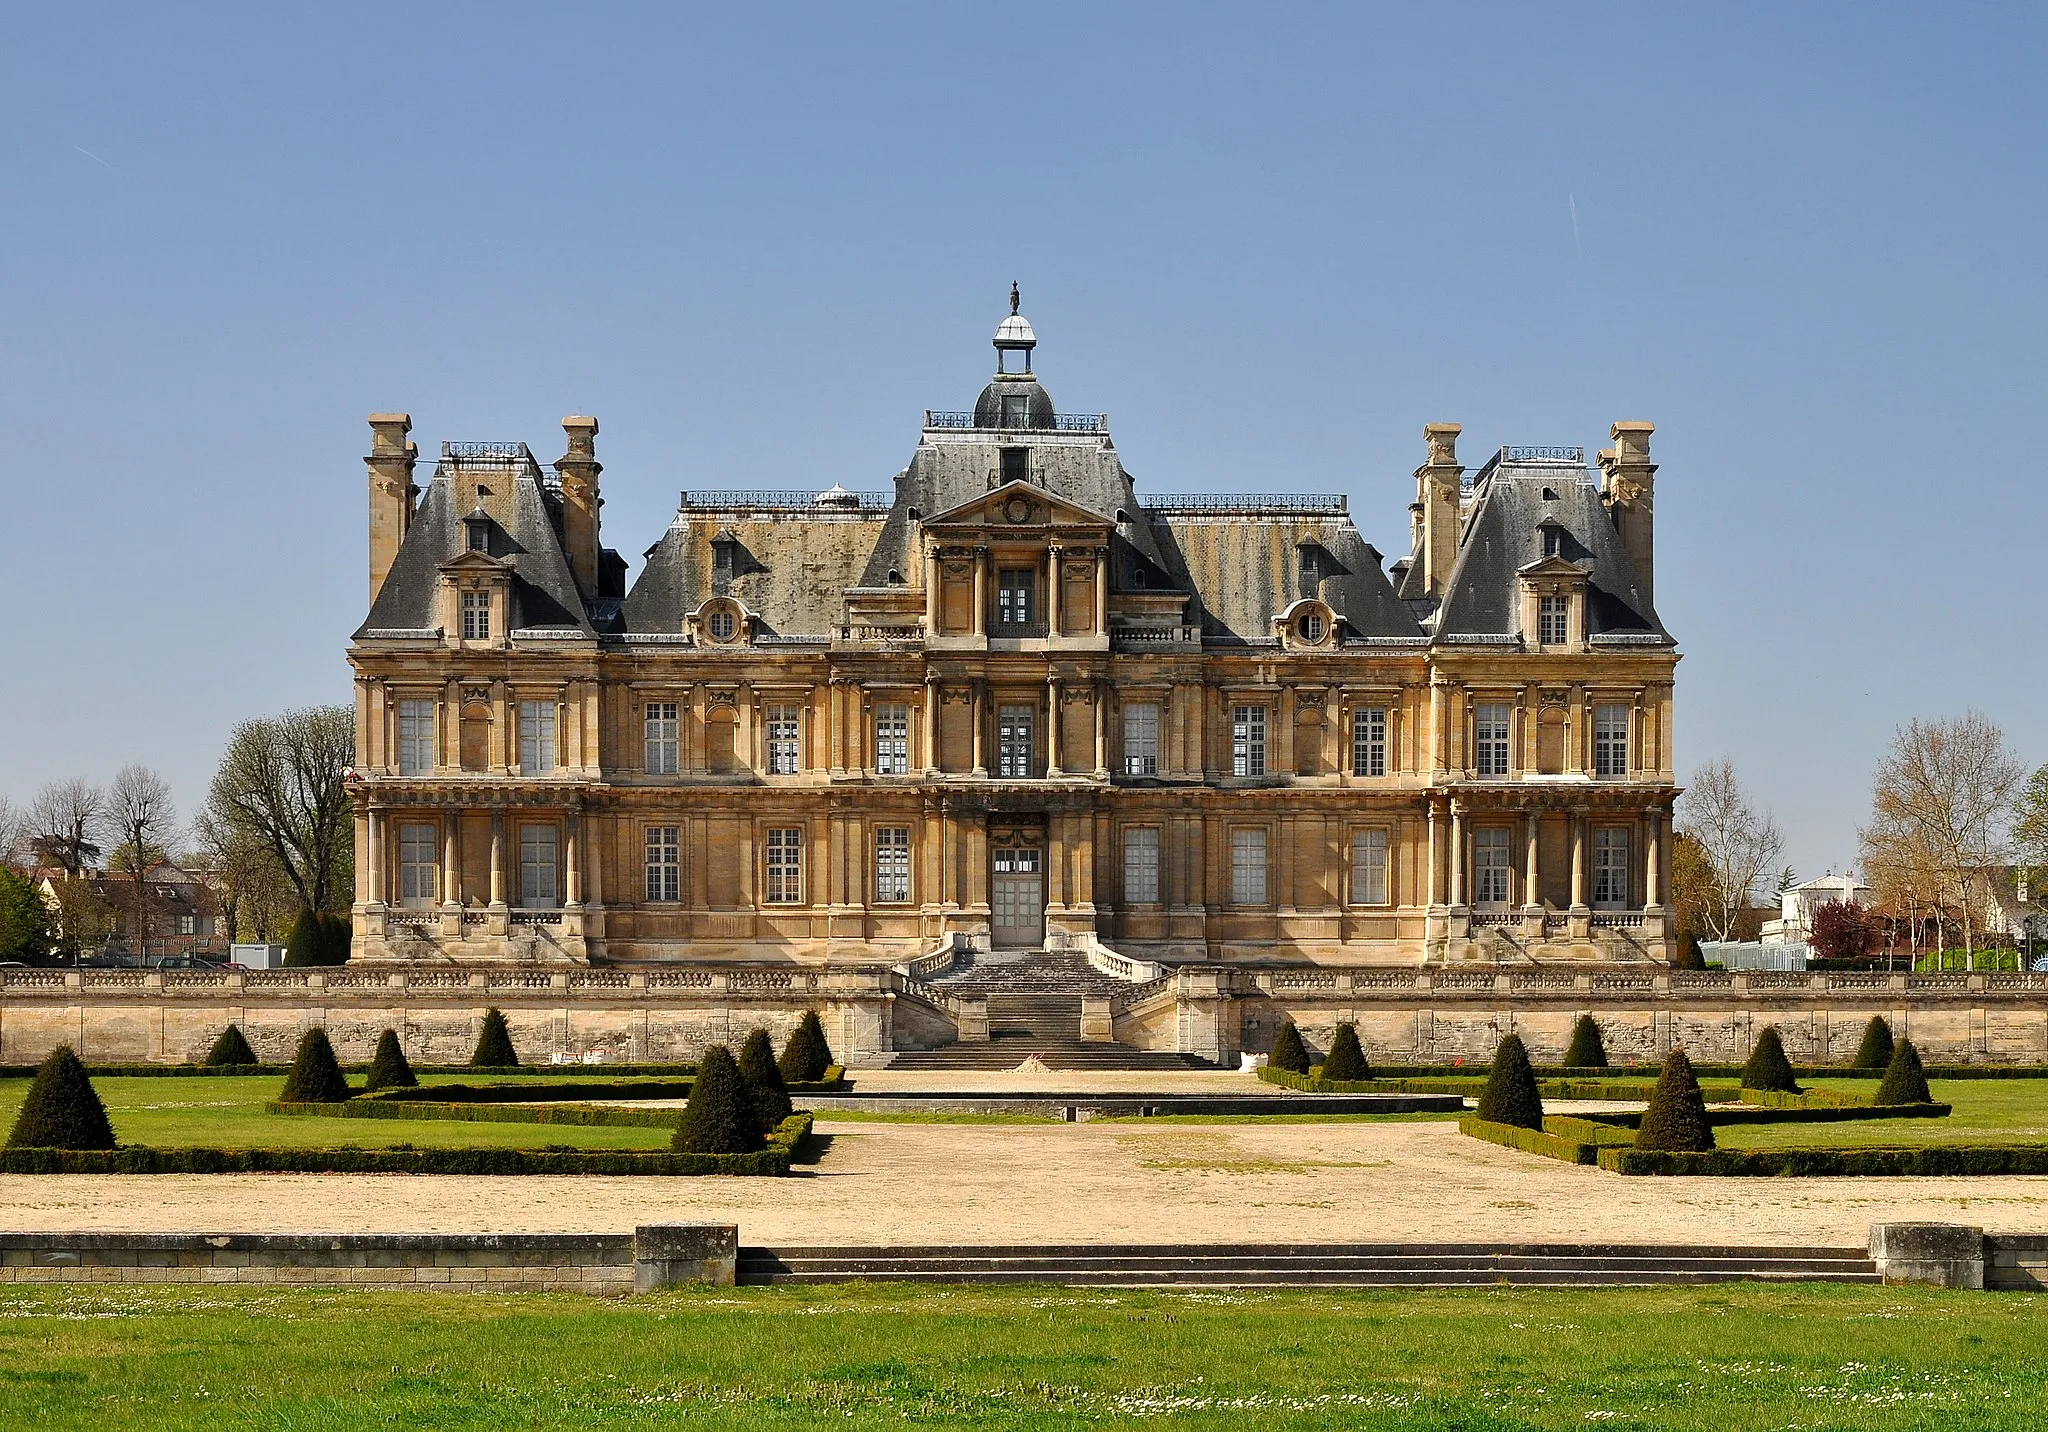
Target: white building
1794	924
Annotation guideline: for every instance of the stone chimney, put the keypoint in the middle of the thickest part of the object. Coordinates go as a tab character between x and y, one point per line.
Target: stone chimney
578	468
390	462
1437	486
1629	488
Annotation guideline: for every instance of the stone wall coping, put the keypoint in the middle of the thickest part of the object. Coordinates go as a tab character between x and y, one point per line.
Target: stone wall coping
616	1247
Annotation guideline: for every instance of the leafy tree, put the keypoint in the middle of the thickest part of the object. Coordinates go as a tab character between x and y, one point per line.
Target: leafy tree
807	1056
336	931
1511	1095
1587	1050
316	1076
494	1043
280	784
1345	1063
1695	893
1875	1052
1842	930
62	1110
389	1068
1289	1052
1676	1120
1904	1082
230	1050
719	1118
1768	1068
24	920
765	1089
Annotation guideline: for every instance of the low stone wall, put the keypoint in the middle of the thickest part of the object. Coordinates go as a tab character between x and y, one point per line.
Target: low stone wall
608	1264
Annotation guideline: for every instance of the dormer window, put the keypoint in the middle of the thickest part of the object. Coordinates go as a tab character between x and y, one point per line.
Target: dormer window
1312	628
722	624
1013	597
1553	620
1553	540
1016	460
1016	413
479	537
476	614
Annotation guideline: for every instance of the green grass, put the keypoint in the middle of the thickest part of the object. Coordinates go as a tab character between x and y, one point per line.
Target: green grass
228	1113
1723	1359
1987	1111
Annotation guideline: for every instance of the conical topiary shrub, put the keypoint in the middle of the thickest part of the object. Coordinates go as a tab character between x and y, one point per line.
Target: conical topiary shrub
307	943
1904	1082
389	1068
62	1110
764	1081
807	1056
1676	1120
231	1049
1289	1052
1768	1068
1587	1050
1875	1052
720	1117
316	1076
1345	1063
494	1043
1511	1095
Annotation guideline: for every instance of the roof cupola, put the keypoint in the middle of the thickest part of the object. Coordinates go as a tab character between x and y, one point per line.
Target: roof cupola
1014	335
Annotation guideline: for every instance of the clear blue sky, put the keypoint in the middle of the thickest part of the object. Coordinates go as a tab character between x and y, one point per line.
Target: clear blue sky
1806	241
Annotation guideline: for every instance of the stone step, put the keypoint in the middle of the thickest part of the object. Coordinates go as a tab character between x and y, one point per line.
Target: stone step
1390	1265
1010	1050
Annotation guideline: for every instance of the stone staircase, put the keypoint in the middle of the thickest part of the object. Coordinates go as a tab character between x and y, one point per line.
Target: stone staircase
1310	1265
1010	1050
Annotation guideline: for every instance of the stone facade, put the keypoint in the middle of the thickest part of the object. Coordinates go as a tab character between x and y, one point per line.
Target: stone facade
1012	700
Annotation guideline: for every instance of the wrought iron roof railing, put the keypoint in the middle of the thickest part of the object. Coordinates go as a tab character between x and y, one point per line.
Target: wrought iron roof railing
1513	453
1332	504
489	452
789	501
1061	423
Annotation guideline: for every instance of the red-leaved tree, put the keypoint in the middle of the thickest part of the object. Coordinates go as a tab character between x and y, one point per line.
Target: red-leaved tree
1843	930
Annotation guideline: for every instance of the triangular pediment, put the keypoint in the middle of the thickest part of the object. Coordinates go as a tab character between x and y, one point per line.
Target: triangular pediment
473	562
1018	504
1551	567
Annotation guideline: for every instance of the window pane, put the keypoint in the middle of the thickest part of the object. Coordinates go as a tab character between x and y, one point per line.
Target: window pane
663	738
536	735
664	863
1610	867
1248	741
417	867
1141	739
415	737
1369	741
1014	741
537	866
892	740
1610	740
1248	867
476	616
1013	597
1490	864
1552	615
785	882
784	722
1490	739
1141	865
1369	867
892	865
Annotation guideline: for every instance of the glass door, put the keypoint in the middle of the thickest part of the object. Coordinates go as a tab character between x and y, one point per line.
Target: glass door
1017	895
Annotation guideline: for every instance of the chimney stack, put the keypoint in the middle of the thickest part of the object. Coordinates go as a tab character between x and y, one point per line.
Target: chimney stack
1438	484
579	468
1629	488
390	463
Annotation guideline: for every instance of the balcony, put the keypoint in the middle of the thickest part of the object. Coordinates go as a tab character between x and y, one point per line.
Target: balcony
1061	423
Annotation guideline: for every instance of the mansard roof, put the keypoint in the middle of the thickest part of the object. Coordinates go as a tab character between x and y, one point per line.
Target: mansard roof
524	536
1244	568
1503	535
790	569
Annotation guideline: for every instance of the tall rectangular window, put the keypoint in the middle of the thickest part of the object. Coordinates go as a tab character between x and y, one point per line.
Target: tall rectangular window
476	615
1016	464
1369	867
1014	741
1610	868
892	865
537	845
892	740
664	863
1247	867
785	722
664	744
536	736
1369	741
1491	858
1013	596
1248	742
1610	740
1490	739
1141	738
417	867
785	867
1552	620
415	737
1141	865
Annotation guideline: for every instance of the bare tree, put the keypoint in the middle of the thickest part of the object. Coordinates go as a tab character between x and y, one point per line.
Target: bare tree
65	823
1941	811
255	897
142	814
280	784
13	836
1740	843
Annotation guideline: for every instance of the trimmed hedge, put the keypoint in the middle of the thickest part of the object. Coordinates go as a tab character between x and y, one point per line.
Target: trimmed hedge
581	1115
1288	1054
719	1118
1586	1050
1510	1095
1529	1141
1875	1052
230	1050
62	1110
806	1056
1346	1063
517	1093
1936	1161
316	1075
1904	1081
1471	1085
767	1092
1767	1067
1805	1098
771	1161
388	1067
494	1043
1677	1116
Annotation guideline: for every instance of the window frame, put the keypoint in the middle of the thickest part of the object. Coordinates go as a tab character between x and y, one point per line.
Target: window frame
1016	762
662	863
1243	840
1362	841
1606	840
892	865
529	841
1490	744
476	613
1141	841
1611	741
410	865
1493	838
661	751
1141	738
782	734
1248	745
782	865
722	624
1016	597
1369	741
416	748
892	738
537	732
1553	619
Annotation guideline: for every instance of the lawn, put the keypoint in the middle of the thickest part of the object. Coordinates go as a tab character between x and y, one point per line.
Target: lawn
1722	1359
1986	1111
228	1113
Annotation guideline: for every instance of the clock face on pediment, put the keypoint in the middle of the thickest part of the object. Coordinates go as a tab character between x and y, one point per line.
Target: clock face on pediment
1018	504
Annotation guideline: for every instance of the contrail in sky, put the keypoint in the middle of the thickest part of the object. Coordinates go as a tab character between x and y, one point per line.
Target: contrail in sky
92	156
1573	200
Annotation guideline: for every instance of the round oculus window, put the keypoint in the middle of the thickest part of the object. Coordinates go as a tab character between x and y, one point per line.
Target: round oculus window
1311	628
723	625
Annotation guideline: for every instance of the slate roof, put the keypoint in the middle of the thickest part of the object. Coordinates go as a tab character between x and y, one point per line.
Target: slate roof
1503	534
789	570
1245	570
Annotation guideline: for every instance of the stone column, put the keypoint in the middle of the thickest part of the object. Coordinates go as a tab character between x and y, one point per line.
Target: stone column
572	864
979	626
1457	854
451	859
377	823
1055	597
931	592
1102	591
1578	861
1101	697
498	859
1430	879
1052	726
1529	885
1652	896
977	714
931	725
